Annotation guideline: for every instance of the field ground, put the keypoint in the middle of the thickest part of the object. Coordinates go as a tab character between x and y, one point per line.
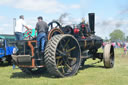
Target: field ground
92	74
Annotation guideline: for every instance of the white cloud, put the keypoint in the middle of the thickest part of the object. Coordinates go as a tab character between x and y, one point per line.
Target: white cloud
6	29
71	21
47	6
105	27
3	2
5	26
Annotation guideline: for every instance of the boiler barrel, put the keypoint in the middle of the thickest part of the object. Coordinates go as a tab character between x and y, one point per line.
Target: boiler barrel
92	42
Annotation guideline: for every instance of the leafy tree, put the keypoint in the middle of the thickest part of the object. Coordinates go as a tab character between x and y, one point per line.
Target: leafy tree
106	39
126	38
117	35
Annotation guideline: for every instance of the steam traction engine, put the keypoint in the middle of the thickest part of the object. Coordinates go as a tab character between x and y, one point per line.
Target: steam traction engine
66	49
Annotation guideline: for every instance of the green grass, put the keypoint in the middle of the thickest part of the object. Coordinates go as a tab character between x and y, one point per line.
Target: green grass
92	74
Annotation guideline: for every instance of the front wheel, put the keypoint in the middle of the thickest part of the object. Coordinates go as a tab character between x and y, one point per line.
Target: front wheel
108	56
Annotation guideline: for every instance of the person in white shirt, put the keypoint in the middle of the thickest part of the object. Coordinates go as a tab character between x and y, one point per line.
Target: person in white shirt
20	24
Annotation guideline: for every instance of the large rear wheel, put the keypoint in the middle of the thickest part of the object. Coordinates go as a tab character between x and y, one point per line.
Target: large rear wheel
62	55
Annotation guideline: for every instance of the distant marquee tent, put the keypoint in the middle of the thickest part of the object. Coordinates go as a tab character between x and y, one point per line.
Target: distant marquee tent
7	36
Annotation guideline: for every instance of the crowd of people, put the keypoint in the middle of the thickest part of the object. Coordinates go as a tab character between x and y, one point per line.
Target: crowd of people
123	45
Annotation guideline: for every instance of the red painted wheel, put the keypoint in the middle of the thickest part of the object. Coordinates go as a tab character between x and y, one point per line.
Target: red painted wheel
53	32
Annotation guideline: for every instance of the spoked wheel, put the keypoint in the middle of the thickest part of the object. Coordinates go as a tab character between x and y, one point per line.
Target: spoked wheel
54	24
108	56
31	71
62	55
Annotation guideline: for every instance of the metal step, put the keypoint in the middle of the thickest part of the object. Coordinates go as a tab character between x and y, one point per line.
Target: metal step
22	59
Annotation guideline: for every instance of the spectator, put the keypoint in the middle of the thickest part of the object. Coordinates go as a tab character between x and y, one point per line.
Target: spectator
125	50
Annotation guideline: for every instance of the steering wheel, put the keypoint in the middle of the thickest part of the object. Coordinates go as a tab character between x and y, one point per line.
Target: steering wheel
27	33
54	24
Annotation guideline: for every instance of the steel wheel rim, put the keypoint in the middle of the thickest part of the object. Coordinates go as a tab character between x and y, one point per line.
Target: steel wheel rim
66	61
112	56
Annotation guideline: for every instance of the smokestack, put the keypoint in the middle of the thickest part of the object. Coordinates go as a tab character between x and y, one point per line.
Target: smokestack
92	22
14	24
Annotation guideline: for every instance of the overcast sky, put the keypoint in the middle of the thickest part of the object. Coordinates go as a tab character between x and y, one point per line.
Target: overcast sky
110	14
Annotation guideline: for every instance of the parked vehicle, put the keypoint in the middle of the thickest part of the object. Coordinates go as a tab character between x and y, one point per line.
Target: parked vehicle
6	50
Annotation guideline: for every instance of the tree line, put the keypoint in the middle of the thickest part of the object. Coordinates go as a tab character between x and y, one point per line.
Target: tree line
117	35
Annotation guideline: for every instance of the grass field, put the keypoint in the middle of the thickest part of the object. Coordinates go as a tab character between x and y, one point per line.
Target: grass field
92	74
